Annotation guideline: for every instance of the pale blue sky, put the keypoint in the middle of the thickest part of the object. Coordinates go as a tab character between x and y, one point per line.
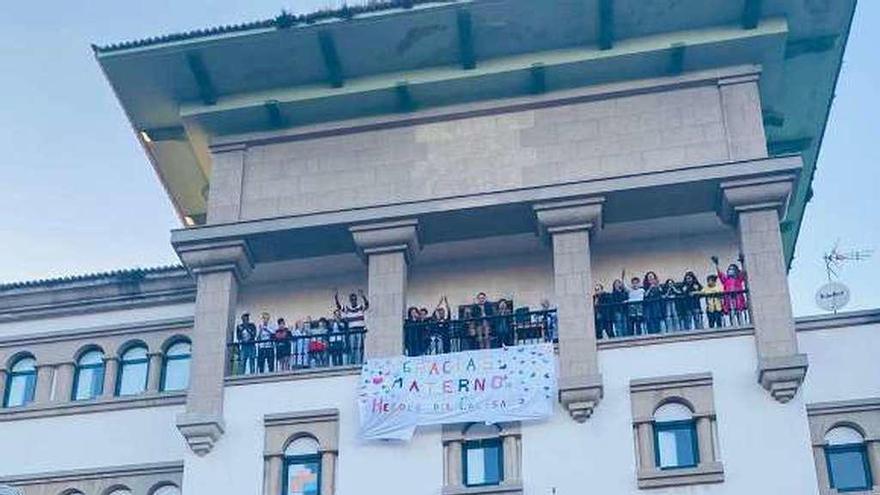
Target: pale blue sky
80	195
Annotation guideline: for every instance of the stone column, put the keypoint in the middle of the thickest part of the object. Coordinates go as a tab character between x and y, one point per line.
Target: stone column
111	370
743	120
705	438
63	382
873	448
388	248
568	225
3	378
155	372
218	269
511	459
755	206
453	460
645	440
43	392
272	474
328	471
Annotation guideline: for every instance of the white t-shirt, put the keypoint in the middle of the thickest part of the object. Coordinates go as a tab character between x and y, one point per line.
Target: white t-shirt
636	295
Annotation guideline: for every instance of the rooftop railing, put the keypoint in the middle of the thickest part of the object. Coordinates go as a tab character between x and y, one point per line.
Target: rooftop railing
299	352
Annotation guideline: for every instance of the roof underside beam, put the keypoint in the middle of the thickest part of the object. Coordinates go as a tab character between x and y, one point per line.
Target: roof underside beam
273	112
538	75
331	59
788	146
804	46
751	14
466	40
676	59
405	102
606	24
203	80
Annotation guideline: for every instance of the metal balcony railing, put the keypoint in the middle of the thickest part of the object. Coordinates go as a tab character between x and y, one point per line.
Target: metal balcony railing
670	315
433	336
298	352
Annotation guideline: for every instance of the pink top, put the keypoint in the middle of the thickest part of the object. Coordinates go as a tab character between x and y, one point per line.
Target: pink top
734	284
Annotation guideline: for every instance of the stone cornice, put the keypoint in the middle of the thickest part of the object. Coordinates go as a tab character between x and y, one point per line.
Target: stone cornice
55	409
137	328
387	237
217	256
843	406
848	319
771	191
584	213
237	381
95	473
301	417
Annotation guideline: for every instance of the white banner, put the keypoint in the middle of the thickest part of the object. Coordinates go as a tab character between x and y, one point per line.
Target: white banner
493	385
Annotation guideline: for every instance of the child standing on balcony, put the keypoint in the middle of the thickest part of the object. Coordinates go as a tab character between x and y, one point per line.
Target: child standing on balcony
548	322
734	283
483	310
300	345
691	289
714	306
503	323
619	296
635	311
653	304
438	339
354	311
245	334
412	331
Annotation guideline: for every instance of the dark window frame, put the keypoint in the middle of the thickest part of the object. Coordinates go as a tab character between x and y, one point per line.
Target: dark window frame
860	448
166	359
130	362
78	369
691	425
30	384
290	460
482	444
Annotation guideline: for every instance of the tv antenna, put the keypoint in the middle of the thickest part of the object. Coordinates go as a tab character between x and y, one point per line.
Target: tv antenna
834	295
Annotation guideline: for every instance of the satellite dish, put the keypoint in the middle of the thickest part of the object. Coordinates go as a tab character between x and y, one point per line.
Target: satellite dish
832	296
8	490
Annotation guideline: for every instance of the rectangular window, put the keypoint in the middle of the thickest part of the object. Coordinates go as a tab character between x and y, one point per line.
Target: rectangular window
483	462
848	467
302	476
675	444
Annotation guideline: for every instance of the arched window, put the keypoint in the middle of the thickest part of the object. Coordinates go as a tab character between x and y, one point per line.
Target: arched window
88	381
175	371
302	468
166	490
21	383
482	455
134	366
847	459
675	437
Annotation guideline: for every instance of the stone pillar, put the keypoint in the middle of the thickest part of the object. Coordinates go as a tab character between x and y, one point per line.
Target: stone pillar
743	119
568	225
63	382
511	459
755	206
873	448
272	475
453	461
3	378
328	472
155	372
43	392
388	248
111	371
218	269
645	440
705	437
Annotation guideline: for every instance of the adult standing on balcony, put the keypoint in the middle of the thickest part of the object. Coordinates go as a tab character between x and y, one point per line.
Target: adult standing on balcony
265	345
353	312
245	334
483	310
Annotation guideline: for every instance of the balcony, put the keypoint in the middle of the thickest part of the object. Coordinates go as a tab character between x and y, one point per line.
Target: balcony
316	350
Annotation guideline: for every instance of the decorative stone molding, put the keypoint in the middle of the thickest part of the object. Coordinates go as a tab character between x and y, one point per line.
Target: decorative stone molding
139	478
568	225
66	408
782	376
693	391
580	395
862	415
322	425
771	192
234	256
387	237
200	431
455	435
